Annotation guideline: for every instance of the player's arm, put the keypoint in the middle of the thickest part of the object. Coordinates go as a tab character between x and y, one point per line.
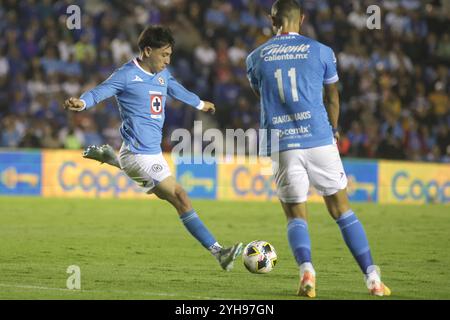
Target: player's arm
332	106
251	76
330	80
256	91
115	84
178	92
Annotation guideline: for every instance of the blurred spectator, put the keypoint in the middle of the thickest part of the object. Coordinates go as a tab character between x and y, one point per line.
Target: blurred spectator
121	49
4	65
11	133
358	140
111	134
71	137
237	52
91	135
390	148
49	138
443	48
344	145
443	139
31	139
243	116
439	101
357	18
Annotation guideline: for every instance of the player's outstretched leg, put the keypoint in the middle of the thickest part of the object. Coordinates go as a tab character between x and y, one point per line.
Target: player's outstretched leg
356	240
195	226
226	256
103	154
171	191
300	243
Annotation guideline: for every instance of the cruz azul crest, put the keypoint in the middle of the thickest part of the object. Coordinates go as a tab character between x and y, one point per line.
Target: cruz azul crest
155	104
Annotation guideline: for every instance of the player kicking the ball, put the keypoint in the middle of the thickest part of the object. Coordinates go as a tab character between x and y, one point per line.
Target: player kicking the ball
288	73
141	87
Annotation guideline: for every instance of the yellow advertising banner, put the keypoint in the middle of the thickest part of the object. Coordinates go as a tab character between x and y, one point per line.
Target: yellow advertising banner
414	183
244	179
65	173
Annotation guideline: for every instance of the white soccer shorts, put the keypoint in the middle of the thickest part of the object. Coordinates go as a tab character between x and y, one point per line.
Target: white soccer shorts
147	170
294	170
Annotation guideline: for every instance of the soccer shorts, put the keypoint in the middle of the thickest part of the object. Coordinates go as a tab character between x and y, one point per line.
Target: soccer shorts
147	170
294	170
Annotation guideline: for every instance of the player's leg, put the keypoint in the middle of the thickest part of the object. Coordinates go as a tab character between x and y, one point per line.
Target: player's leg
292	189
356	240
153	174
327	175
170	190
300	243
103	154
351	228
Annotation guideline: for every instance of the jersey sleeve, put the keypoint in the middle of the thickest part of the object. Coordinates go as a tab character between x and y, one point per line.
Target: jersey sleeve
328	60
251	73
178	92
112	86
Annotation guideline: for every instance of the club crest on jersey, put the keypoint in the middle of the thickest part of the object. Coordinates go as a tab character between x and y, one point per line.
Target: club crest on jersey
156	106
161	80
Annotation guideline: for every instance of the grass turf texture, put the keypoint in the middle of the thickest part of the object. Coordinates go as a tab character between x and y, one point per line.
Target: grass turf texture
138	249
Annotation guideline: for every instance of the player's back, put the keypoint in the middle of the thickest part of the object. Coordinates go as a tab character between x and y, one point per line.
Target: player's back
289	72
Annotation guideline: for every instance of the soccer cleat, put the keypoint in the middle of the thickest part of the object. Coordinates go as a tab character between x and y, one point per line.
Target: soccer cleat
307	286
227	256
374	284
378	289
103	154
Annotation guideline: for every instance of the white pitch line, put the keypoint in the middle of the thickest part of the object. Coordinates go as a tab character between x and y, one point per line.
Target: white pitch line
160	294
32	287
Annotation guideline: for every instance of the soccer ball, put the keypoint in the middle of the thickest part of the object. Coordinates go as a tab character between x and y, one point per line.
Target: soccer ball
259	257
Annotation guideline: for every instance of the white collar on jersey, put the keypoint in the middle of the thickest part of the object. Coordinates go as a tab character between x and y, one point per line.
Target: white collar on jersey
291	33
137	65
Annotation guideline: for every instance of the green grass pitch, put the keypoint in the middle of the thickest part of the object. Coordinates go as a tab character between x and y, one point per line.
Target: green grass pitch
138	249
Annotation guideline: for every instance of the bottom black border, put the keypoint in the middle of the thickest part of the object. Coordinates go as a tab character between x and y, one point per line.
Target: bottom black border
228	309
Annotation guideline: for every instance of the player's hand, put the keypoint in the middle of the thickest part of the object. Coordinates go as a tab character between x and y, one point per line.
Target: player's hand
74	104
208	107
337	136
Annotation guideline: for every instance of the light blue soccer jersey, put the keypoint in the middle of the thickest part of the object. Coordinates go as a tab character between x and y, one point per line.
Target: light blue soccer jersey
141	97
289	72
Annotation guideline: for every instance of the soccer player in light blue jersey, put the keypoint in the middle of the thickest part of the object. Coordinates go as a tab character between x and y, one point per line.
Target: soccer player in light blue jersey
289	73
141	87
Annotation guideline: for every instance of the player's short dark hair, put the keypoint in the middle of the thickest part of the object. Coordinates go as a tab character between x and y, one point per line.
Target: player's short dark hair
155	37
286	9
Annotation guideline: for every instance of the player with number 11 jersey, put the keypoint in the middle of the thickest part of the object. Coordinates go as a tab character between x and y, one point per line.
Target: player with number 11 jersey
289	72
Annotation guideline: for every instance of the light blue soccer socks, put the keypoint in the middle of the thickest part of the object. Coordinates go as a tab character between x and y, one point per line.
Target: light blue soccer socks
196	227
355	238
299	241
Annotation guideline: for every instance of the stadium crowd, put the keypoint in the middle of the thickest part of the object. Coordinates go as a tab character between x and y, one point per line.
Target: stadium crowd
394	82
